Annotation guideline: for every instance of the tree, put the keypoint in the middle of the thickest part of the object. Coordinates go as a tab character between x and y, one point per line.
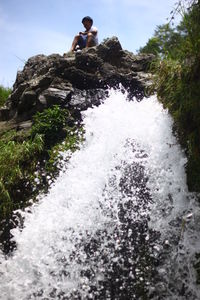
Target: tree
181	41
152	46
165	41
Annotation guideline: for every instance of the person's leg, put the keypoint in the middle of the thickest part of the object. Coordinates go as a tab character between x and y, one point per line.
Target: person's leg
79	40
75	42
90	40
82	41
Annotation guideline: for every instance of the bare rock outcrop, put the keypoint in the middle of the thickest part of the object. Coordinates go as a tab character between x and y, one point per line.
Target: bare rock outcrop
75	80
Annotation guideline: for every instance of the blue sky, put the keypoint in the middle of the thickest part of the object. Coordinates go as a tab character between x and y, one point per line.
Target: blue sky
31	27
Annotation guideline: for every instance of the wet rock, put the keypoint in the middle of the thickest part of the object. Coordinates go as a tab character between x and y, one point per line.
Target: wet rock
89	62
81	100
111	51
52	96
24	125
4	114
27	101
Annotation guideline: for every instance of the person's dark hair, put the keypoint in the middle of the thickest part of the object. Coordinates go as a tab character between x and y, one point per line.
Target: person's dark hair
87	18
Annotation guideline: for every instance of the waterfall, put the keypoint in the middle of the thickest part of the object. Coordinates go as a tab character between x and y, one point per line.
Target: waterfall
118	223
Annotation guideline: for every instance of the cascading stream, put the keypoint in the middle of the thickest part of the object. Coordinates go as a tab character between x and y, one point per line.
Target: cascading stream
118	223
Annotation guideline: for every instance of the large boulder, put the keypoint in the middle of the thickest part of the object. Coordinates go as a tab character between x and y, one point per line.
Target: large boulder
70	80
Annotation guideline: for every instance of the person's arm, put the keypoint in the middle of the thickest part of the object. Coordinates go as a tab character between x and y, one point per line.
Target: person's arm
94	31
83	32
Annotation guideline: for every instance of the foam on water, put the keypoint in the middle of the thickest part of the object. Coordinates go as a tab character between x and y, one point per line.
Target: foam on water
75	206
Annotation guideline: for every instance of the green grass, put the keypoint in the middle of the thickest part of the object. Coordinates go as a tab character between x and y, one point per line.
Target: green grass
26	158
177	81
178	88
18	159
4	93
50	123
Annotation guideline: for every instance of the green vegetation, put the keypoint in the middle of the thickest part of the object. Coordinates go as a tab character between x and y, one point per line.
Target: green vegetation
177	81
50	124
17	162
26	158
4	93
164	42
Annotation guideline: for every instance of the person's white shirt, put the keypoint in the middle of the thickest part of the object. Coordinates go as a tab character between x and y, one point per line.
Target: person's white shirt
93	28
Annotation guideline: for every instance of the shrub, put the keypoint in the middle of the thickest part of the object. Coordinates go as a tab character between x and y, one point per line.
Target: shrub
26	158
178	88
177	83
4	93
50	124
18	159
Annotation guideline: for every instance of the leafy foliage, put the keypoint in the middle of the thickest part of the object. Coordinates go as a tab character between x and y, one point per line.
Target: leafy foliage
26	158
177	42
152	46
4	93
166	41
56	154
177	81
50	123
17	161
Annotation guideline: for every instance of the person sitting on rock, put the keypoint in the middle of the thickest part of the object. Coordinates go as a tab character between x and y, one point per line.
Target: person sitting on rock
87	38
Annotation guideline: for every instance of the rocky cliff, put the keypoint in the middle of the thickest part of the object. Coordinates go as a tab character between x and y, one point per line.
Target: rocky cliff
75	80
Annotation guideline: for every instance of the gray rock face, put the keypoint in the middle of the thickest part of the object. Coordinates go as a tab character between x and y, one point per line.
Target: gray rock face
76	80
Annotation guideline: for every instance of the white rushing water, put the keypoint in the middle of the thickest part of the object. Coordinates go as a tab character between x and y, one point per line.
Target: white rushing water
50	258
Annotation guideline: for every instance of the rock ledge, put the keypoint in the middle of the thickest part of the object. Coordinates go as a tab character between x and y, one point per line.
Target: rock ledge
76	80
